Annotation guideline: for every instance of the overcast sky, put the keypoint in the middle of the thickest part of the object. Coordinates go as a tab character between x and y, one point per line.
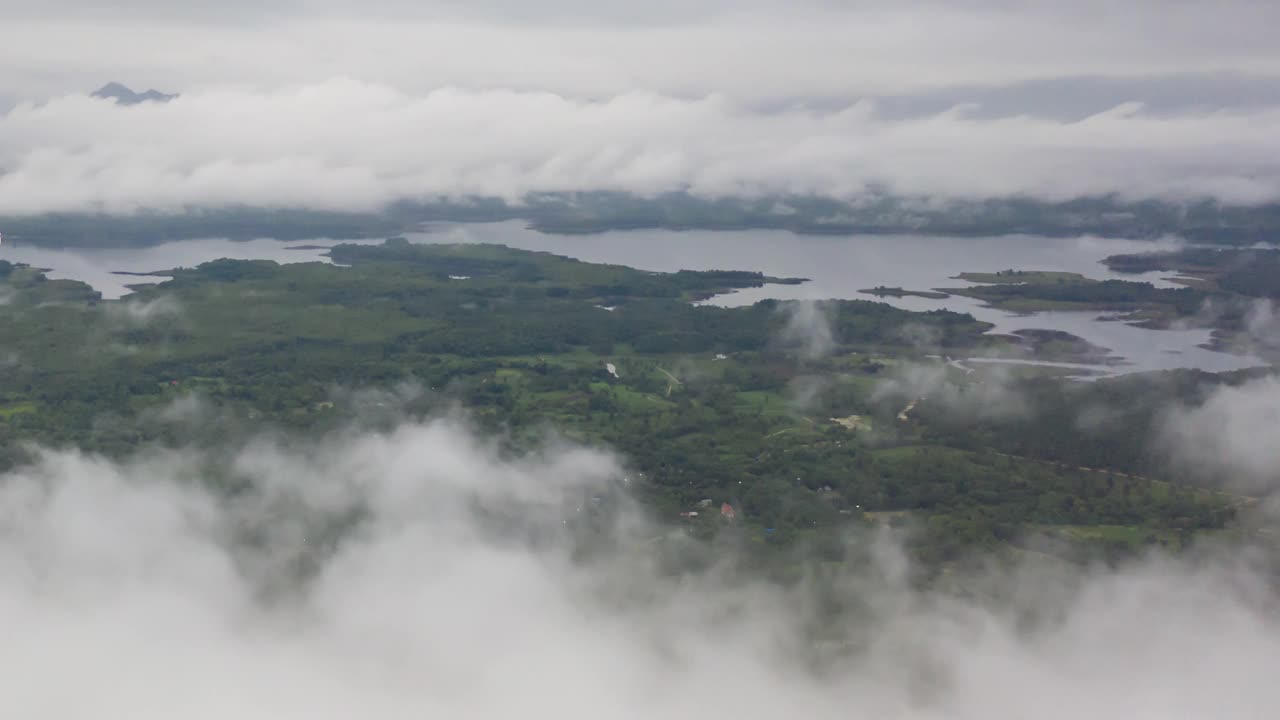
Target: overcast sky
750	49
734	96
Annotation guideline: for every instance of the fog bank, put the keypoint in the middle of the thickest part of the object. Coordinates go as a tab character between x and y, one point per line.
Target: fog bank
349	145
421	571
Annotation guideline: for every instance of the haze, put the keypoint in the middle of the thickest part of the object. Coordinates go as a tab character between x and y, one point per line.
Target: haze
131	591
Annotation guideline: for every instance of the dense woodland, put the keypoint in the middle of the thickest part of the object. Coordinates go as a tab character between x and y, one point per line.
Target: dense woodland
1252	272
710	405
1033	291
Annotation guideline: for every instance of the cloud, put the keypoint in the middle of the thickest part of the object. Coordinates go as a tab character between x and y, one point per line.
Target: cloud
423	570
336	104
992	395
349	145
1231	436
807	333
803	393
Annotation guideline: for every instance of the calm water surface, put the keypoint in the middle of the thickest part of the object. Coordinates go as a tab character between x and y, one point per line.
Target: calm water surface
96	267
837	268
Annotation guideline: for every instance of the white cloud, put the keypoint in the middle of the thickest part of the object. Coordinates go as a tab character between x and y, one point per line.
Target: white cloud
133	590
141	313
336	104
992	395
1232	436
808	328
1262	323
344	144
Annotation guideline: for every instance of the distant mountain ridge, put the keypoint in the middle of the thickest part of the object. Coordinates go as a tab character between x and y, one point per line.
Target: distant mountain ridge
595	212
123	95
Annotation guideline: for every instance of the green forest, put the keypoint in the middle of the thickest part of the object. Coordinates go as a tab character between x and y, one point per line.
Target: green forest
876	212
710	405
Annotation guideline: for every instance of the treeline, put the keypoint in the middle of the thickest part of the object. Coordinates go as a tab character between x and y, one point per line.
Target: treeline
1107	424
709	403
1111	294
873	212
1252	272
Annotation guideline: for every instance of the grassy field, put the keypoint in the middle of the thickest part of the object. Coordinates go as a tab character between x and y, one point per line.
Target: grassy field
881	291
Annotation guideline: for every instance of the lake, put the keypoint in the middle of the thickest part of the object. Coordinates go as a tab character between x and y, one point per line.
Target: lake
95	267
836	266
840	266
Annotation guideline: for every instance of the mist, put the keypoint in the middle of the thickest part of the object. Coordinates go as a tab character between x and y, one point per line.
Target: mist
334	105
425	570
808	331
1231	436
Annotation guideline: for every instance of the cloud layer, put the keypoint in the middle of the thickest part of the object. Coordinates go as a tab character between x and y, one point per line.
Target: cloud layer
1232	436
420	572
350	145
336	104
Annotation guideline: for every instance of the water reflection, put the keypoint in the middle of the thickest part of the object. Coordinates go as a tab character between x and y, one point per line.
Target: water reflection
97	266
837	268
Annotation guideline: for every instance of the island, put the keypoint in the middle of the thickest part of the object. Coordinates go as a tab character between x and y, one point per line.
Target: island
1057	346
596	212
1252	272
882	291
1032	291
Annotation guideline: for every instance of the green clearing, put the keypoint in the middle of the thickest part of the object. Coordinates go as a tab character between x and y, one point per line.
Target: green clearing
882	291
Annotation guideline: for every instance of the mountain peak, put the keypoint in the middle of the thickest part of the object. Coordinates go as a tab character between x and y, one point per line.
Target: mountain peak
123	95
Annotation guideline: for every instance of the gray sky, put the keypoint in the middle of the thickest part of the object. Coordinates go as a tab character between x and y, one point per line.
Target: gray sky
757	48
724	96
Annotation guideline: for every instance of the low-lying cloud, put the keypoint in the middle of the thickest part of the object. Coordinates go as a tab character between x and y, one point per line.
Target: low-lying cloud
349	145
992	395
423	571
1262	323
141	313
808	330
1233	436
